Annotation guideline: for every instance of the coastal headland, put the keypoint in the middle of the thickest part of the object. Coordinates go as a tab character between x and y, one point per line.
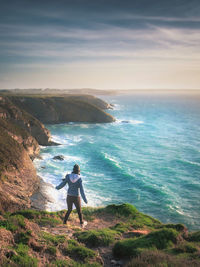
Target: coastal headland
116	235
22	132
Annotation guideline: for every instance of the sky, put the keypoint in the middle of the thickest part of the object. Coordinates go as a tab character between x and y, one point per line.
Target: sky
101	44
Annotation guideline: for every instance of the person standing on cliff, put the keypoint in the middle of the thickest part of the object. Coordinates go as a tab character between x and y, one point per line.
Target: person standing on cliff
74	182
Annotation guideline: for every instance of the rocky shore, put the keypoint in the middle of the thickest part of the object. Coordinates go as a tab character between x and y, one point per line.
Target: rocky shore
22	132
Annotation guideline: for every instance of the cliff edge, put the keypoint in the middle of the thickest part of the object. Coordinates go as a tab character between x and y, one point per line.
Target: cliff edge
116	235
52	109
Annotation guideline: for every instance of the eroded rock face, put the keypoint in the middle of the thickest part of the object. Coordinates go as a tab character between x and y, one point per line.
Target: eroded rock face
21	119
18	181
18	178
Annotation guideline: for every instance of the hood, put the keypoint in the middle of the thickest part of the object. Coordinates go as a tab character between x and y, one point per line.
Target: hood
74	177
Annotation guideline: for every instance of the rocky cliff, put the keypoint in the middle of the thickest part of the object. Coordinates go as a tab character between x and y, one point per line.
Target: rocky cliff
20	136
51	109
18	178
20	119
21	133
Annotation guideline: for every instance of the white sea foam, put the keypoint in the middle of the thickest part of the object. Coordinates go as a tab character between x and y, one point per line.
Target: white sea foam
124	121
62	140
112	159
136	122
117	107
176	208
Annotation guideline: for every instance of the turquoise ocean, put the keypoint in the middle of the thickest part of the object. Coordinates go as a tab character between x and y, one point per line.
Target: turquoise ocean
149	157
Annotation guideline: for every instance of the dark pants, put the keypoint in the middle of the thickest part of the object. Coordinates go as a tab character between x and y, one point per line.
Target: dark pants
77	202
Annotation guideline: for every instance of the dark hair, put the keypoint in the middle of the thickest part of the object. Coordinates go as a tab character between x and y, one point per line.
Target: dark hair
76	169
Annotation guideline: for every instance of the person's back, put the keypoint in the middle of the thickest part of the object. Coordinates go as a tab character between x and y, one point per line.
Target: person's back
74	182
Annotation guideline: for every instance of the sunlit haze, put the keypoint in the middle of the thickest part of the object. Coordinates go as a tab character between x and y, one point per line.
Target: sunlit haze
132	44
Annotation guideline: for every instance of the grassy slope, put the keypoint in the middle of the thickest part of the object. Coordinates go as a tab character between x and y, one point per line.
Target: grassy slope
37	237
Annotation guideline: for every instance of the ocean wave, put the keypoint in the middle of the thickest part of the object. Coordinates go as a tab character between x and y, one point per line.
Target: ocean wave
117	107
176	209
112	160
187	162
124	121
61	140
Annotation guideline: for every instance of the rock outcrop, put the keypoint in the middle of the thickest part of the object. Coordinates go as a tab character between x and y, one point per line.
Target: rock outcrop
64	109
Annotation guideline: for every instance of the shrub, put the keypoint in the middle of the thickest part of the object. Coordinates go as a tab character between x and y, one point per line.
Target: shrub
159	239
94	238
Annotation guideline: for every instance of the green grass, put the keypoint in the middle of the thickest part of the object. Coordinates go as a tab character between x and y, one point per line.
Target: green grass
194	236
23	237
22	258
160	239
185	247
48	222
160	259
59	263
51	250
121	227
178	227
142	220
53	239
89	213
43	218
122	210
78	251
94	238
12	223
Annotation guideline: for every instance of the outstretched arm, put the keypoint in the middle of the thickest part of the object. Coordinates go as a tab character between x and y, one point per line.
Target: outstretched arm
62	184
83	193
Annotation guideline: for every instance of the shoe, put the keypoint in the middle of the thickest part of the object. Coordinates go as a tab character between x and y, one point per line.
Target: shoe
83	224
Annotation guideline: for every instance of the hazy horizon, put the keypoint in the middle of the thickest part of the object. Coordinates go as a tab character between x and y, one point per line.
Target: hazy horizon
111	44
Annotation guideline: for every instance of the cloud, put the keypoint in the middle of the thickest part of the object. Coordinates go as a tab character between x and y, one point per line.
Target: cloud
155	35
61	43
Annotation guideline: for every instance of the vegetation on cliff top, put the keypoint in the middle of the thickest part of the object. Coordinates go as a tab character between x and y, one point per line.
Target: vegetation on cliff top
110	238
56	109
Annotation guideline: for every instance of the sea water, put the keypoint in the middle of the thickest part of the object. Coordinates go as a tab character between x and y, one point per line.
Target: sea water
149	157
